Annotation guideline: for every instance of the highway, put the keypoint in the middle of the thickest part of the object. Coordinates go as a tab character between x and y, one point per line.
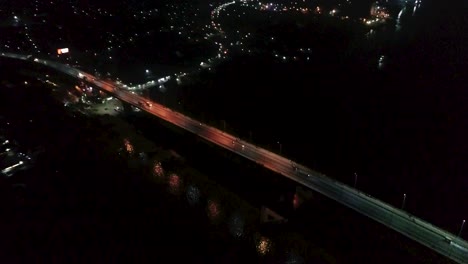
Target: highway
417	229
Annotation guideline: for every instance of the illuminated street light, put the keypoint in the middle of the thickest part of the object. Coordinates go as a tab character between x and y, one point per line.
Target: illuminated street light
404	201
461	228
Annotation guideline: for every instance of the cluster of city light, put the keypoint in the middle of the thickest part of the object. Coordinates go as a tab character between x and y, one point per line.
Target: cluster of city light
222	50
184	20
260	6
29	44
110	38
147	14
379	12
25	44
282	8
263	245
12	159
374	21
215	14
181	17
214	29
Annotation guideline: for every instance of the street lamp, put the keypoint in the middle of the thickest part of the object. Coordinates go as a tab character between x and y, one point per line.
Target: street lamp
404	200
281	147
461	228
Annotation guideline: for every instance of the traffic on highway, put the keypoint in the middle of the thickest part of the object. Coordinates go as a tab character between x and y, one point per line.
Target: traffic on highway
439	240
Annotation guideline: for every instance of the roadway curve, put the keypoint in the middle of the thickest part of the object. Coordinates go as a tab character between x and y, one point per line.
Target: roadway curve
417	229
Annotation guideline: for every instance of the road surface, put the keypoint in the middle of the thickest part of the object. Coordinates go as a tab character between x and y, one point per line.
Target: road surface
417	229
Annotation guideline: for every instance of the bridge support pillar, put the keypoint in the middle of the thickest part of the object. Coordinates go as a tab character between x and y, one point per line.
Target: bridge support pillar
302	195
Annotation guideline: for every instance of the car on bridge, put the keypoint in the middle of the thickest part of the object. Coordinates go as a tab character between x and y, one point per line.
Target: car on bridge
145	103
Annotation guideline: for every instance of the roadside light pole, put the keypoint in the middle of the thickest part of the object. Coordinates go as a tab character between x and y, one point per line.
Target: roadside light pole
404	201
461	228
281	147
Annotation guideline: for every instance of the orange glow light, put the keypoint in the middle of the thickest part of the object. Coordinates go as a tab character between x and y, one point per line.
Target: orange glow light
213	210
158	169
263	246
128	146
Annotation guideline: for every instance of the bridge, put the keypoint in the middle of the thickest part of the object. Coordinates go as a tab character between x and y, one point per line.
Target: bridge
437	239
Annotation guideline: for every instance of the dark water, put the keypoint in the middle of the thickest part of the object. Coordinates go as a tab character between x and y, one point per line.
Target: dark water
400	128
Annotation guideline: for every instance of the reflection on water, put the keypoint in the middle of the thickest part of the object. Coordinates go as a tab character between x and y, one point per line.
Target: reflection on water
213	210
128	146
174	184
158	170
296	201
263	245
236	225
193	195
403	16
294	258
